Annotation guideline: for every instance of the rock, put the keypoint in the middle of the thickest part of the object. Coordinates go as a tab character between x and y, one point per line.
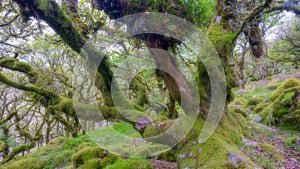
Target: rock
257	118
182	156
298	141
235	160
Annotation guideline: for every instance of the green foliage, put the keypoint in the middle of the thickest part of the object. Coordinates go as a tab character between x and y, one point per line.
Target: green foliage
197	12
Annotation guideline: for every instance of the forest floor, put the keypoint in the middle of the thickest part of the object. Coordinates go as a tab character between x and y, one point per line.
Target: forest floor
273	149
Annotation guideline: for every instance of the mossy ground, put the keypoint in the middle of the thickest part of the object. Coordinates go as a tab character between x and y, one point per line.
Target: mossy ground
80	152
277	106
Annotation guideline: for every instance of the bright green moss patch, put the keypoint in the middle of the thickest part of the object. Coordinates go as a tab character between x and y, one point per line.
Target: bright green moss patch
28	163
290	83
291	140
93	157
151	131
131	164
2	144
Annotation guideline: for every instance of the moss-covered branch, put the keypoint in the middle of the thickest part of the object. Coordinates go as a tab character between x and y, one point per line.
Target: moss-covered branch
56	18
16	65
255	12
18	150
8	117
141	90
32	88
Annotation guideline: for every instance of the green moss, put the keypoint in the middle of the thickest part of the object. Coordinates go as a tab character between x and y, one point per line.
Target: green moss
255	101
260	107
272	150
145	152
2	145
14	64
252	107
292	120
131	164
240	101
84	145
126	129
281	107
66	105
161	118
30	163
273	86
84	155
159	127
100	163
56	154
281	111
93	164
60	159
169	155
151	131
237	110
222	40
44	6
290	83
290	140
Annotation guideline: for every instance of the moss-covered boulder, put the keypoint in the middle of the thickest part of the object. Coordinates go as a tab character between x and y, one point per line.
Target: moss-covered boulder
30	163
92	157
